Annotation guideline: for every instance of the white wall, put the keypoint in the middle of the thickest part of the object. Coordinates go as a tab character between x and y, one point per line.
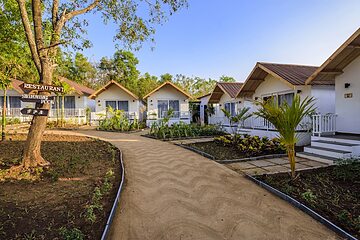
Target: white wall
203	102
166	93
114	93
348	109
325	98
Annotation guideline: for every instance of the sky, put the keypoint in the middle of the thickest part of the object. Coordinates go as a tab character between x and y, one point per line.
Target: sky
212	38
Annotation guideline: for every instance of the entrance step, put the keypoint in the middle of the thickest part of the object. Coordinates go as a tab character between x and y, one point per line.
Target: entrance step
328	152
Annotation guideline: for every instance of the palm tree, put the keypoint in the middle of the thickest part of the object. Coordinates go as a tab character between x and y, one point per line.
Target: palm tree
242	115
285	118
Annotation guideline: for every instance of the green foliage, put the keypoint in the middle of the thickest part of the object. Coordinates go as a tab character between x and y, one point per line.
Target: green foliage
285	119
71	234
347	169
242	115
309	196
97	203
179	130
118	121
251	145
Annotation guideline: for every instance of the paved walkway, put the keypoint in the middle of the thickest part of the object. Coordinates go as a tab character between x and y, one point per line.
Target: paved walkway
173	193
273	165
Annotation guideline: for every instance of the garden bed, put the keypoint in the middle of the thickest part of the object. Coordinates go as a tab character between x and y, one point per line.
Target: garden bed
240	148
333	192
71	200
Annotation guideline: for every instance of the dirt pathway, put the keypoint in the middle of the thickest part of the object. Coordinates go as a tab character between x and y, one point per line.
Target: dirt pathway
172	193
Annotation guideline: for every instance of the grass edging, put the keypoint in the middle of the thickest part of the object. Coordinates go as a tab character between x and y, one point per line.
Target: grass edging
303	208
116	201
227	161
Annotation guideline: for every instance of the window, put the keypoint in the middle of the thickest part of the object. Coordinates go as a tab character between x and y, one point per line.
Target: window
1	102
123	105
111	104
165	105
15	102
69	102
288	98
231	108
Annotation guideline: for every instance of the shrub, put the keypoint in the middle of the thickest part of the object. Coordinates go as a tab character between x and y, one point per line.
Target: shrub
251	145
71	234
179	130
118	121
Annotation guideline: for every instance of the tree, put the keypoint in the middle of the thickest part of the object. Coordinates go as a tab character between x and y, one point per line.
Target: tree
285	118
56	23
242	115
167	77
224	78
121	68
146	83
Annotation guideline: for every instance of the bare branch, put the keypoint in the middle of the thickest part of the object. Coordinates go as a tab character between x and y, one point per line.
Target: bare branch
37	19
81	11
55	12
29	34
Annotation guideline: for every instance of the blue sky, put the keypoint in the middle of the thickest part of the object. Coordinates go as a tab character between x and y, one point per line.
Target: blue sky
227	37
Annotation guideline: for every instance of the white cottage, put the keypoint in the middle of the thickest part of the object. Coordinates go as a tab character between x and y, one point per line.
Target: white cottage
224	96
283	81
75	102
114	95
165	97
338	134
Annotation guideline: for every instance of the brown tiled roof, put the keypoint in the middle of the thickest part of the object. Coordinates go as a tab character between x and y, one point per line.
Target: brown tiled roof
79	88
15	84
231	88
289	73
109	84
168	84
294	74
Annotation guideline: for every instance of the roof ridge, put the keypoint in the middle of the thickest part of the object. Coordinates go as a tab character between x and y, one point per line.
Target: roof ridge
288	64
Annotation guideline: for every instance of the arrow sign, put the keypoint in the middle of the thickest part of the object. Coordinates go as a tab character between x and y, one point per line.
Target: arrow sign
39	87
34	112
37	98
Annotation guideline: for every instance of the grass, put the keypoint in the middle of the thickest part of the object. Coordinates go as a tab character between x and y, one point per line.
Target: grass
83	173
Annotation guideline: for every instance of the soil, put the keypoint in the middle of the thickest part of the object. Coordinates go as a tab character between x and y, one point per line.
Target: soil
39	209
333	192
220	152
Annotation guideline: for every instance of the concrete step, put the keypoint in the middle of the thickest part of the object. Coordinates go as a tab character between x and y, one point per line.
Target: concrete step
316	157
333	139
347	147
328	152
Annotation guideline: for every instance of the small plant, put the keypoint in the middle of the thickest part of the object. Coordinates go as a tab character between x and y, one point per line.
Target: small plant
117	120
309	196
71	234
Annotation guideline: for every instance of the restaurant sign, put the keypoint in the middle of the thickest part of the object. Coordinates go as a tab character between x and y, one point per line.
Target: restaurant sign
35	112
40	87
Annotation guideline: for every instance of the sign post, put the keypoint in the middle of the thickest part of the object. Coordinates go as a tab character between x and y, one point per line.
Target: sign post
42	99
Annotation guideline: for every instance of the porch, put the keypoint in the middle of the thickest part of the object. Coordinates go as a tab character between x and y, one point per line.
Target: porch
176	117
77	115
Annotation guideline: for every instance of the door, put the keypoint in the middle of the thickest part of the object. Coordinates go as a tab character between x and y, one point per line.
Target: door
163	106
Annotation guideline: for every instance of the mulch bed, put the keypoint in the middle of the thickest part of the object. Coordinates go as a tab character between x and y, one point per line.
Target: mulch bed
333	192
39	209
218	151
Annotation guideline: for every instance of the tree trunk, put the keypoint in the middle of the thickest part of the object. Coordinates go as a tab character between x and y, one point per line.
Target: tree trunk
32	149
291	155
3	119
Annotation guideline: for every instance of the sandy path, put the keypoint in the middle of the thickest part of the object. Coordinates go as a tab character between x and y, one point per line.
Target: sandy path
172	193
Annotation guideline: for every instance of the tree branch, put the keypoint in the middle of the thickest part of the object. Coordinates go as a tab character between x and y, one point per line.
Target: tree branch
55	12
29	34
81	11
37	19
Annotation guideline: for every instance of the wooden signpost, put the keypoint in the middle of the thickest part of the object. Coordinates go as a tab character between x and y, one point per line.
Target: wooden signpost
42	99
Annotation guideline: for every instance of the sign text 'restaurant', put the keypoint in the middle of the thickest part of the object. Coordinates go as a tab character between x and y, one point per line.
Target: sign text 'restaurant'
45	88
